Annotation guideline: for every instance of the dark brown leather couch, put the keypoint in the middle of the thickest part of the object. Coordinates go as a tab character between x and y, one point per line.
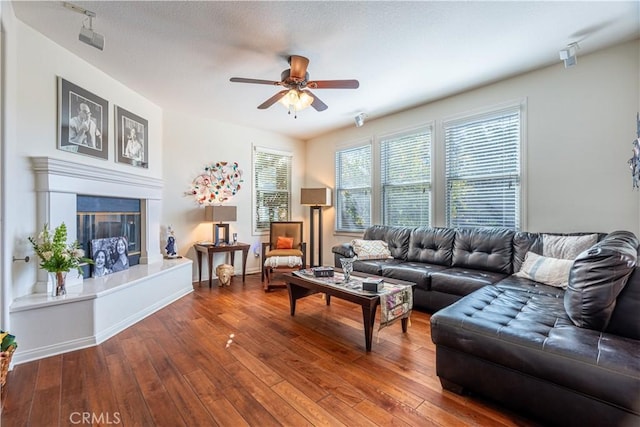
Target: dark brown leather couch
562	357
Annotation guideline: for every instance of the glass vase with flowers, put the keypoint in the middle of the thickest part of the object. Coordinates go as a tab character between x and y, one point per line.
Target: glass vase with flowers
57	256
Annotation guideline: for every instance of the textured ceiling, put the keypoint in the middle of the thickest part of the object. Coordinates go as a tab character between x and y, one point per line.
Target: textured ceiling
180	55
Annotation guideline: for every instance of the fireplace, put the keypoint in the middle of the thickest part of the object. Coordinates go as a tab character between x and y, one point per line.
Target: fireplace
100	217
61	187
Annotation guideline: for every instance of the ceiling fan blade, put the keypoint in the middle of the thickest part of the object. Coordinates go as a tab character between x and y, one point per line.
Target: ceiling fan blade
317	104
256	81
334	84
275	98
299	66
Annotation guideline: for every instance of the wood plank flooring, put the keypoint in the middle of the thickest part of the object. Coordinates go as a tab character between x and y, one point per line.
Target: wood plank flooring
233	356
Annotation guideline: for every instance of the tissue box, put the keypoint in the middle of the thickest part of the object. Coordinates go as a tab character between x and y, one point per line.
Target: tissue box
372	285
323	271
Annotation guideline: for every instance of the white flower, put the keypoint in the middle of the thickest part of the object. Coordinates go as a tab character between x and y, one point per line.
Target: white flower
47	255
78	253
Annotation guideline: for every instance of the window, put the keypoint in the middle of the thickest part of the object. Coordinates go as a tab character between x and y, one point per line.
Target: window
272	187
353	188
483	170
405	169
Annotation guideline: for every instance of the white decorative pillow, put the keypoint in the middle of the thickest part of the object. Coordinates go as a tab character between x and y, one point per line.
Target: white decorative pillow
371	249
550	271
566	247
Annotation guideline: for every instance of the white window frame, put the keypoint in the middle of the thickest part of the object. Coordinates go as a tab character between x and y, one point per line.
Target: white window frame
490	112
255	204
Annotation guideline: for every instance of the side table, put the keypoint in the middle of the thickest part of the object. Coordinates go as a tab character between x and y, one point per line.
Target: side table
210	249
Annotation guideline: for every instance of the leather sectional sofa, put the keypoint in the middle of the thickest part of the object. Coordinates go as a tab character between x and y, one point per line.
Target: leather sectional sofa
563	356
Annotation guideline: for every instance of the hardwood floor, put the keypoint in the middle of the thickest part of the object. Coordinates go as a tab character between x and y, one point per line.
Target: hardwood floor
233	356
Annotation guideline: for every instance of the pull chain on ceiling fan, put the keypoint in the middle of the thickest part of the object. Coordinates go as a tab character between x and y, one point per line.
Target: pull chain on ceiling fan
297	96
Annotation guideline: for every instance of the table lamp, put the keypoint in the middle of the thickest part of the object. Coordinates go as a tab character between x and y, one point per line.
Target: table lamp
316	199
217	214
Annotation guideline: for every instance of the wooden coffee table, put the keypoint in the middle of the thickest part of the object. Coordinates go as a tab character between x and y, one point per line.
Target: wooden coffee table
300	287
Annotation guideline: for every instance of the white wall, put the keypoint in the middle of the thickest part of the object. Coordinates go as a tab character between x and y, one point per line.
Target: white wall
30	120
31	66
581	122
191	143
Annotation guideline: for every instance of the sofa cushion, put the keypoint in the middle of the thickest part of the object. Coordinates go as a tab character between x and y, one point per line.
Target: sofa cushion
597	278
486	249
462	281
532	334
627	307
431	245
566	247
396	237
416	272
523	243
521	284
550	271
374	266
371	249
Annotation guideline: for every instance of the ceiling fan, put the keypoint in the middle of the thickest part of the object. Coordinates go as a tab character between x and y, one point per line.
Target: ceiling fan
297	95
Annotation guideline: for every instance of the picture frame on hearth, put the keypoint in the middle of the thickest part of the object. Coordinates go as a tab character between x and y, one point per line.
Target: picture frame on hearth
132	138
109	255
83	121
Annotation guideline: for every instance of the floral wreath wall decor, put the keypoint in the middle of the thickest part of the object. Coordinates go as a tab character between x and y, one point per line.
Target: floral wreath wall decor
634	161
218	183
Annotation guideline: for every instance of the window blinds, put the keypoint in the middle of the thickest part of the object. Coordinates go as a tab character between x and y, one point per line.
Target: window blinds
405	166
272	184
353	188
483	170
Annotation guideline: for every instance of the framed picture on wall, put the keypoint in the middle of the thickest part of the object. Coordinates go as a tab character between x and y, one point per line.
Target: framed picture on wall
132	141
82	121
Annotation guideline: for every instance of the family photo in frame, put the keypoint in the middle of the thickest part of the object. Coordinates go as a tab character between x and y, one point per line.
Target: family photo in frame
109	255
82	121
131	138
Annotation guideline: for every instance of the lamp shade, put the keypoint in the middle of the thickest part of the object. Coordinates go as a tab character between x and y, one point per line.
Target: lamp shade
220	213
315	196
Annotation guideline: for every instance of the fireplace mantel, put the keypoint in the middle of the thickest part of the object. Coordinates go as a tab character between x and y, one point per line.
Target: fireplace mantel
64	176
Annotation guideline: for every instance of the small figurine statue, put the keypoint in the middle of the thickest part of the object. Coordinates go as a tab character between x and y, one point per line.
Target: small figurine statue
172	247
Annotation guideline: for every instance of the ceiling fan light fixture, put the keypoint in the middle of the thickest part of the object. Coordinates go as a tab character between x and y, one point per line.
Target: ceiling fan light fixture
295	100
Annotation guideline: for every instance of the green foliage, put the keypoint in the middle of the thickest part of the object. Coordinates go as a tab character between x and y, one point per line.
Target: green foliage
7	340
54	252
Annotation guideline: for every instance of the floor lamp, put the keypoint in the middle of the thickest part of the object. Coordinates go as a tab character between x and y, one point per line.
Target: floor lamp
316	199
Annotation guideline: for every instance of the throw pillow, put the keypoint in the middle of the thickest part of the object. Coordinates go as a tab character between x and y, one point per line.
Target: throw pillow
550	271
284	243
371	249
566	247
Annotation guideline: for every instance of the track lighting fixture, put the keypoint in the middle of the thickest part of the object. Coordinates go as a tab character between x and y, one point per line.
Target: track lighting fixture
360	119
87	35
568	55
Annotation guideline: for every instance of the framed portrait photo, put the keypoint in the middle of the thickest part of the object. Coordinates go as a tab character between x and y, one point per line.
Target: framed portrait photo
109	255
132	139
82	121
